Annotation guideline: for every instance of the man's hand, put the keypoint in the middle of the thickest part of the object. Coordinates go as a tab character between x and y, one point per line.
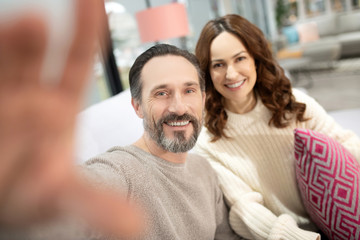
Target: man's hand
37	122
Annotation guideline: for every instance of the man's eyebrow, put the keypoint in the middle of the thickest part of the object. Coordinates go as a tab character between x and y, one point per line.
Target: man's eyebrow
235	55
192	83
161	86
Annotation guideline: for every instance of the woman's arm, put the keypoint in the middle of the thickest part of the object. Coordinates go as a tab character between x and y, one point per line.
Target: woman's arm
322	122
249	217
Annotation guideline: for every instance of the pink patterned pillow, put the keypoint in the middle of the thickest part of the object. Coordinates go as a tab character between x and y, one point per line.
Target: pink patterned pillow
329	181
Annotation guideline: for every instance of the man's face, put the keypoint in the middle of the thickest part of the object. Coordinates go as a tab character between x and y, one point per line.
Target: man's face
172	103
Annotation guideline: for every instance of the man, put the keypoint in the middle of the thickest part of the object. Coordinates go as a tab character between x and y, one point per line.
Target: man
179	191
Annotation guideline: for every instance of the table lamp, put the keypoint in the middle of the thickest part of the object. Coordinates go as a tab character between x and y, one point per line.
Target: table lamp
163	22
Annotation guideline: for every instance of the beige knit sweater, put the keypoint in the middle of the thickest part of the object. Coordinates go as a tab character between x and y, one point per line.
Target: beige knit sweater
257	173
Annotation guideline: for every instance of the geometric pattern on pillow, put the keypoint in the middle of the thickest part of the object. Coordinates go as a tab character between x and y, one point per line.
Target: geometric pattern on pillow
328	178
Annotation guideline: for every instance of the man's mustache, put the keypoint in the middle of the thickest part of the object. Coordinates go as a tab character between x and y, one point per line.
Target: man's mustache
176	117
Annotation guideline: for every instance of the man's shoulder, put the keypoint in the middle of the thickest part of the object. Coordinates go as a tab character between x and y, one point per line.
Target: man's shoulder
119	165
116	159
198	162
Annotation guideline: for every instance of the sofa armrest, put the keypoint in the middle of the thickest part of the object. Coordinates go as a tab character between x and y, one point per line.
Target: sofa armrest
348	119
112	122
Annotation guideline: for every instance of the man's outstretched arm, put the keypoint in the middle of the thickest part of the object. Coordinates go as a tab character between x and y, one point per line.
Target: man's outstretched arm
38	179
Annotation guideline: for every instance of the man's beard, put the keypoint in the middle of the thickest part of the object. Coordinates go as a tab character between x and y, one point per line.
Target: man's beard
178	143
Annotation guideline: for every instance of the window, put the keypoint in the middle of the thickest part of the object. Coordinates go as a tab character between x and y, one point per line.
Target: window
338	5
355	4
314	7
125	38
110	75
293	11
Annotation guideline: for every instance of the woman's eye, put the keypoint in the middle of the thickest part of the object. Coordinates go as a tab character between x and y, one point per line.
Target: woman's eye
240	59
217	65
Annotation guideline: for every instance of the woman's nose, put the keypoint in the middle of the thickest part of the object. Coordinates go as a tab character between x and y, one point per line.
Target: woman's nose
231	72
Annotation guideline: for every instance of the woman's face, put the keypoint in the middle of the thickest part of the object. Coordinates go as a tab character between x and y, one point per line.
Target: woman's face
233	72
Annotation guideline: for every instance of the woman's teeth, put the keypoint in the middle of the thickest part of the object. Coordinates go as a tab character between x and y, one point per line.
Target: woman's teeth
235	85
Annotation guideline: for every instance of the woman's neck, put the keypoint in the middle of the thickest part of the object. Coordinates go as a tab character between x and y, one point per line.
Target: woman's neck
244	106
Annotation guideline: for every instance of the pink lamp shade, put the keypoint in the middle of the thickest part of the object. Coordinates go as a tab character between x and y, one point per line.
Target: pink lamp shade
163	22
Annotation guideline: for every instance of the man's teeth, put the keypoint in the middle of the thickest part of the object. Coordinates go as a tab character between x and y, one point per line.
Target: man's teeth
183	123
235	85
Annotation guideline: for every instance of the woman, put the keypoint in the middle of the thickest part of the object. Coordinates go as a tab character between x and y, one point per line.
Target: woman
251	113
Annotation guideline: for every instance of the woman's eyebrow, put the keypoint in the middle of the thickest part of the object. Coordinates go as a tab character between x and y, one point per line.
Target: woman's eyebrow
235	55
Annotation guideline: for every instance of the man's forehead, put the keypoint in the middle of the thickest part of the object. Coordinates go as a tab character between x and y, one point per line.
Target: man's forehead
159	62
169	70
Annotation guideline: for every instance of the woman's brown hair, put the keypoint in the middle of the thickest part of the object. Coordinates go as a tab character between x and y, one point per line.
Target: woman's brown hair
272	86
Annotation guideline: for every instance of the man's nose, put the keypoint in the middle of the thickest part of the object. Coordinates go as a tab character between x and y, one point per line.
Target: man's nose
177	104
231	72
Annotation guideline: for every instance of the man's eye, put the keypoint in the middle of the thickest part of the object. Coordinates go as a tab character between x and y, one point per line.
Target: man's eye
161	94
190	91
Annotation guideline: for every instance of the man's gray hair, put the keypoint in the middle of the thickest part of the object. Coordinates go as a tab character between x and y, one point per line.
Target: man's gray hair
156	51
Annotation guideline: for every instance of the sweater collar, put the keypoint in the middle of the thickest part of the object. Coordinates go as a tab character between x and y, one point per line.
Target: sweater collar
256	114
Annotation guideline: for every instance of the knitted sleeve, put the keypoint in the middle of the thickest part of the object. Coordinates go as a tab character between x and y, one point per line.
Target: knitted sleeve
322	122
223	230
248	216
104	173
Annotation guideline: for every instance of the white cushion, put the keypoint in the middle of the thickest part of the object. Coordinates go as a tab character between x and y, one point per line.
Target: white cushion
112	122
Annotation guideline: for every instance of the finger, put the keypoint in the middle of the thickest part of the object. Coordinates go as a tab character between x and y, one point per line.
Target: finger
16	141
22	48
7	60
12	165
31	46
13	201
81	54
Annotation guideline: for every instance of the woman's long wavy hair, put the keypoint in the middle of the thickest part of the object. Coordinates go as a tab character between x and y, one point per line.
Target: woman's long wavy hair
273	87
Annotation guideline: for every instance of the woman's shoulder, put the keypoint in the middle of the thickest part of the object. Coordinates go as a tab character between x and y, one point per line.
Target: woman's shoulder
301	95
312	106
204	137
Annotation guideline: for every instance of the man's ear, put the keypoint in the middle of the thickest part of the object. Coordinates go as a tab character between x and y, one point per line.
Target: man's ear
203	99
137	107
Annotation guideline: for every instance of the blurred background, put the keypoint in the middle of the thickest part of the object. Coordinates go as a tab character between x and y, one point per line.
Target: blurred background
316	41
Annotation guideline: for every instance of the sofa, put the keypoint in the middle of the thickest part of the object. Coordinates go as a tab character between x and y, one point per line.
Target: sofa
114	122
108	123
324	38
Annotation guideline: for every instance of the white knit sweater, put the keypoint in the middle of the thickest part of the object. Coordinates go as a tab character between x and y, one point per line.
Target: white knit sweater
257	172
